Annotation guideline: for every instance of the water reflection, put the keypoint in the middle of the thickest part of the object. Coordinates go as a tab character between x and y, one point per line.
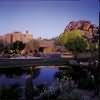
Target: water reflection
12	79
41	82
46	76
10	93
40	76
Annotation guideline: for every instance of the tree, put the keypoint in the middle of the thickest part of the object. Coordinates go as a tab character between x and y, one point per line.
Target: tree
77	44
17	46
73	41
1	46
66	36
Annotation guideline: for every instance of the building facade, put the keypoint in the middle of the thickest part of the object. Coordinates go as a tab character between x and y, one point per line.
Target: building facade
16	36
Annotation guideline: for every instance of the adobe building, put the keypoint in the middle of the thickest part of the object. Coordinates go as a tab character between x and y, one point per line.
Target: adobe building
46	46
16	36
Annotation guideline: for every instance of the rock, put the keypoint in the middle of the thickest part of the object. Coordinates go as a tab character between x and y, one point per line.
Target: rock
87	27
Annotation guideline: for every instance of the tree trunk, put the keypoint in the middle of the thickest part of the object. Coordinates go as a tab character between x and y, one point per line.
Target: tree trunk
29	87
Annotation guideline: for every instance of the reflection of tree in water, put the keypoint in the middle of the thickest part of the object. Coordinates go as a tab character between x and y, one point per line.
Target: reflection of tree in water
67	71
10	93
35	72
9	72
84	78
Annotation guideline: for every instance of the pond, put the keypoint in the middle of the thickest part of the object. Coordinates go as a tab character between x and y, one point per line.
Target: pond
18	77
13	82
40	76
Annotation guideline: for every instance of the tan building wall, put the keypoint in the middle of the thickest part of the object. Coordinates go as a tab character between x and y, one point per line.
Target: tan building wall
7	38
47	45
48	50
17	36
1	38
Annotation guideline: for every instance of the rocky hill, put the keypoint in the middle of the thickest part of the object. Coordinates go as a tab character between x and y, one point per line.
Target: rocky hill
87	27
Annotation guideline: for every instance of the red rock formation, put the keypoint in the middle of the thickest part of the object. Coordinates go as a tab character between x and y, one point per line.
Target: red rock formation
87	27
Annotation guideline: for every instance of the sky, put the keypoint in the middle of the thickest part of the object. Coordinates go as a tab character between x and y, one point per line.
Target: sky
45	18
